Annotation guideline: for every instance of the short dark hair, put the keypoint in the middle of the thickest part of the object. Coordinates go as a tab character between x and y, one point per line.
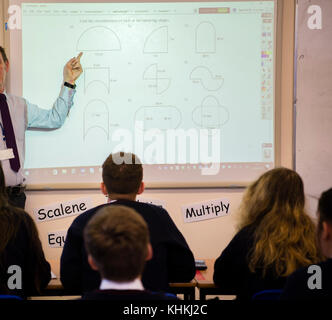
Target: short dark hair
117	238
325	206
3	53
122	173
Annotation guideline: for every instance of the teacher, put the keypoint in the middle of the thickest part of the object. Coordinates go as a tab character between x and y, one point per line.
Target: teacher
18	115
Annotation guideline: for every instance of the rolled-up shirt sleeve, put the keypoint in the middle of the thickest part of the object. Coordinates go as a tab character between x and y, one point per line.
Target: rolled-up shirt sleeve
52	118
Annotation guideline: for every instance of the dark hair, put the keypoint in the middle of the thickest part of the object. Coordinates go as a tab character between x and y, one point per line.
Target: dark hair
11	220
117	238
325	206
3	53
122	173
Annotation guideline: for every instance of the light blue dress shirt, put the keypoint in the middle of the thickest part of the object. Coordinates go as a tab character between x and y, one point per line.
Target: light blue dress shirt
26	115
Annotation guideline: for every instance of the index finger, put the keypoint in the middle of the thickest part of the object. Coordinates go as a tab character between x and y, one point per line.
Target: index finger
79	56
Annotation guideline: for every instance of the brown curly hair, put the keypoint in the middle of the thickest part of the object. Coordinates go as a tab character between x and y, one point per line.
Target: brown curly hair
284	235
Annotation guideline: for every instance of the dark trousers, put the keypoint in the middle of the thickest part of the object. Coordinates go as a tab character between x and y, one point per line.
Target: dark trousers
17	199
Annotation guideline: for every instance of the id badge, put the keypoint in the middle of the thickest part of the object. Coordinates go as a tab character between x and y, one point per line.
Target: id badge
6	154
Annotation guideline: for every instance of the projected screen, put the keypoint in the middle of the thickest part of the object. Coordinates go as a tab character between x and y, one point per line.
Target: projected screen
187	86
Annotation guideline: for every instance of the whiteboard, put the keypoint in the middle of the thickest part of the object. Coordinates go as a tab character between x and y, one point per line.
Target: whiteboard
314	102
220	89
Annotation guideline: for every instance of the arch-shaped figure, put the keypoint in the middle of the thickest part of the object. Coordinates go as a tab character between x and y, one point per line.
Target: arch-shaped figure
205	38
96	116
98	39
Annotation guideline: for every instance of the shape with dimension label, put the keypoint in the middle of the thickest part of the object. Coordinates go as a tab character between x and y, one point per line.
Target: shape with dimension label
94	75
157	41
210	114
98	39
156	78
96	116
208	81
205	38
158	117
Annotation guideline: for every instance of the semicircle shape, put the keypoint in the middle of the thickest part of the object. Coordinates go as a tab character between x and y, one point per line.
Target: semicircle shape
98	39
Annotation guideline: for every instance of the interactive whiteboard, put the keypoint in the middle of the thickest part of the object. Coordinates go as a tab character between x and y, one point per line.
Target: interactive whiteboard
187	86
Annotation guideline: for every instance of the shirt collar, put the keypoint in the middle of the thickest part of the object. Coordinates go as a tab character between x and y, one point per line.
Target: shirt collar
132	285
6	94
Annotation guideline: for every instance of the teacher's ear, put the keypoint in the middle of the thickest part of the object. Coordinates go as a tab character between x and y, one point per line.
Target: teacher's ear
7	66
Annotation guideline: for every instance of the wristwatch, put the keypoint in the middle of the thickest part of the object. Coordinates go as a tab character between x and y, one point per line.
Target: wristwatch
69	85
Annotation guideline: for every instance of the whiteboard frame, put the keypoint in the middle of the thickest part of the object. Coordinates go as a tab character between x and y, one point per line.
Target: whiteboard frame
284	51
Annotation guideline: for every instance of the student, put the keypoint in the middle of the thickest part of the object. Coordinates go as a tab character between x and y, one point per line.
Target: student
172	260
20	249
315	282
276	237
117	242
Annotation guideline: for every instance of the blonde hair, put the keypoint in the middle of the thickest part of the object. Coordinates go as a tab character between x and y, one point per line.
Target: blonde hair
284	235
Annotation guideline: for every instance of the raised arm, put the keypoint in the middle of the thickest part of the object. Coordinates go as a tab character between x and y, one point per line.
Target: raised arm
55	117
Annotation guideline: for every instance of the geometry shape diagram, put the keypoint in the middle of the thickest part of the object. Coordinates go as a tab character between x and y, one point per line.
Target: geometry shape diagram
157	41
210	114
158	117
94	75
205	77
205	38
96	117
155	78
98	39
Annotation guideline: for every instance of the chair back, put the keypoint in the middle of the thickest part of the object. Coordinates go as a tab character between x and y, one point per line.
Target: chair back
273	294
9	297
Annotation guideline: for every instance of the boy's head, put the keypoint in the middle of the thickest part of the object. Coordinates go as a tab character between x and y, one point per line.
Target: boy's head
117	243
325	222
122	175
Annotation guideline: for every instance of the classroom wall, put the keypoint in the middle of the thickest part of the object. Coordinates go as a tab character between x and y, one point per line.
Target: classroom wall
1	19
206	238
314	96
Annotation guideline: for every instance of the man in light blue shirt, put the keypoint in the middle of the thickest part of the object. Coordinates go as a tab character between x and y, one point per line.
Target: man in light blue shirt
25	115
